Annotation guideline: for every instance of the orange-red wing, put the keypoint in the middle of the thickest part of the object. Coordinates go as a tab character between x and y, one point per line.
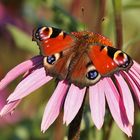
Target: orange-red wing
103	63
54	45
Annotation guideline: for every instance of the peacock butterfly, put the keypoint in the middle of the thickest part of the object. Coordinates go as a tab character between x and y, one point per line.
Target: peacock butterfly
82	58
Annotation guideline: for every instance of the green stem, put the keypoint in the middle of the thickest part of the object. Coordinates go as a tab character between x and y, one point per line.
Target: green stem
107	130
117	6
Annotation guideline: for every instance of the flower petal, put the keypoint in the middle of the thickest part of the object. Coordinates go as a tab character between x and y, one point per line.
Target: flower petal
54	105
116	106
134	87
135	78
126	97
134	72
9	107
136	66
32	82
19	69
97	103
73	103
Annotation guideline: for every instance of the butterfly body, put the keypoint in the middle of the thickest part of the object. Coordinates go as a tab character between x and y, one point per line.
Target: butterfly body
82	58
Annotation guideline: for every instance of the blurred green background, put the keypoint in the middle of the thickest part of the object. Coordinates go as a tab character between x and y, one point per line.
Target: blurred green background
17	20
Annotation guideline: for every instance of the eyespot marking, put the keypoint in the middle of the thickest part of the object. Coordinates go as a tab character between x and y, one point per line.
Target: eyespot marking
92	74
121	59
43	33
51	60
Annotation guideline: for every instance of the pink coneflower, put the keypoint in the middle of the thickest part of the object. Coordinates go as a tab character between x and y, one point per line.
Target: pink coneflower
116	91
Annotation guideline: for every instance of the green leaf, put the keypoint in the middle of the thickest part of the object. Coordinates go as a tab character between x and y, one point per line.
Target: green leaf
23	40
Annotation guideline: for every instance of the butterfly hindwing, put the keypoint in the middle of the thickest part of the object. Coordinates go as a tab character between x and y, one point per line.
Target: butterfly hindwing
77	70
83	73
58	64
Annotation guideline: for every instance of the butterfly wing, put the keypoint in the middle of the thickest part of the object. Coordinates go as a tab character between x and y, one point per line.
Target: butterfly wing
58	64
56	47
108	60
52	40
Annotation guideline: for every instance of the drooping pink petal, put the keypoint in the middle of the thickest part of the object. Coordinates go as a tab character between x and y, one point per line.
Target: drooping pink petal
134	87
133	71
116	106
136	66
9	107
54	105
32	82
135	78
18	70
3	96
73	103
126	97
97	103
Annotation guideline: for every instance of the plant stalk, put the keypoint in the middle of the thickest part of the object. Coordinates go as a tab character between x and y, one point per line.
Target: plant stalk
117	6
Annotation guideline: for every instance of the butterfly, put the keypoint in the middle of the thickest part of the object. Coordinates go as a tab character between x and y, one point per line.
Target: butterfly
82	58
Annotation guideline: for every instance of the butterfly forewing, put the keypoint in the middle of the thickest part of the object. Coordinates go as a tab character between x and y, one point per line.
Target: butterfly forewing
52	40
108	60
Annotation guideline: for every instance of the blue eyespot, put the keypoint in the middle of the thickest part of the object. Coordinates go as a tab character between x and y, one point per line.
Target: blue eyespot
51	59
91	75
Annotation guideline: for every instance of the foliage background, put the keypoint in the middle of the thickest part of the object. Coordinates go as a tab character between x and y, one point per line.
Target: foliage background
18	19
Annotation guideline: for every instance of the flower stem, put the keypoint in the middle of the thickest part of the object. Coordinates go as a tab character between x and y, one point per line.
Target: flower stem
117	6
59	130
107	130
74	128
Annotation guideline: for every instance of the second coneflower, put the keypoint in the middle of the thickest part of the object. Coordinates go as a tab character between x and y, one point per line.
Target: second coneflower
79	60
